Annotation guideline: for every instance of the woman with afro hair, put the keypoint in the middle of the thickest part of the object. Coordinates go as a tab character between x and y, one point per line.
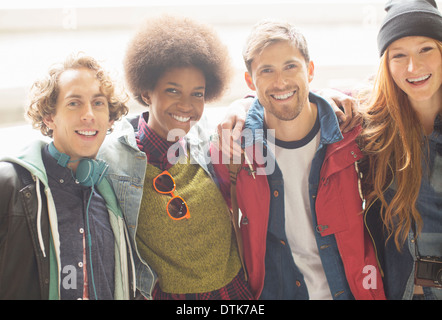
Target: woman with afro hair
179	221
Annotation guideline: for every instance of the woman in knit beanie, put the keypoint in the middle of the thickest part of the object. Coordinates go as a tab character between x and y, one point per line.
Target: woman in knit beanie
402	141
174	65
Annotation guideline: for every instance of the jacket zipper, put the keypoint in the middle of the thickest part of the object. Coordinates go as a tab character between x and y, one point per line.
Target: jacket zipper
372	240
366	226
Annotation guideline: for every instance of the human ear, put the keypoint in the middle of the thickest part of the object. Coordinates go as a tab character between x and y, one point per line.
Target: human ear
311	71
49	122
111	123
146	98
249	81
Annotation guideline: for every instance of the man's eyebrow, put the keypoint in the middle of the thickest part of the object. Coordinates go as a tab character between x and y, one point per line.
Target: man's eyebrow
73	96
265	66
285	63
79	96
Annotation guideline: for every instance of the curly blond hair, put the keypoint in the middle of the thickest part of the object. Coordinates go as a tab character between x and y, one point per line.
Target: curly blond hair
44	92
168	42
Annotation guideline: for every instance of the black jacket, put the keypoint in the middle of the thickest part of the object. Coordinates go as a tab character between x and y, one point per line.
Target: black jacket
24	271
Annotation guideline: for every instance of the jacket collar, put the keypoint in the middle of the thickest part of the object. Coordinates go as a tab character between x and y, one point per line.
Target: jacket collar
31	159
330	131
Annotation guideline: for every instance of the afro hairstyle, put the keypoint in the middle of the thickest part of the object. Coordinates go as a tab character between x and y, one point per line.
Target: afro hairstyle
168	42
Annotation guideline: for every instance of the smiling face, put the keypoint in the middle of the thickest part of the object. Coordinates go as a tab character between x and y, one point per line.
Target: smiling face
281	76
177	101
415	64
81	118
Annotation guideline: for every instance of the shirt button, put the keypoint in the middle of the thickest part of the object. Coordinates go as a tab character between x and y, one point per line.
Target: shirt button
275	193
80	264
61	181
282	242
81	230
298	283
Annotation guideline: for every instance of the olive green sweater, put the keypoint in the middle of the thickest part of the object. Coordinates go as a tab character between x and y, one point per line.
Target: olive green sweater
192	255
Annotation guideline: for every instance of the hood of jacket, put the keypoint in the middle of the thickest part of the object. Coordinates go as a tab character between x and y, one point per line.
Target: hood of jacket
30	158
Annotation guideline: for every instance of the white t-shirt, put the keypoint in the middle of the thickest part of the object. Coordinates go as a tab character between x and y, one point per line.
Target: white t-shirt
294	159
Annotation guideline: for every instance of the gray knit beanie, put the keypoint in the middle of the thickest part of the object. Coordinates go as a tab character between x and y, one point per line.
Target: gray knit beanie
409	18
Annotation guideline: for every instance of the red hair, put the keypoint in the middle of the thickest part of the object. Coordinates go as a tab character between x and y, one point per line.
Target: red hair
392	142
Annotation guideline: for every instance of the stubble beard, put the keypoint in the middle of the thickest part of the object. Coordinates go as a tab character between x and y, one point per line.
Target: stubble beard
287	111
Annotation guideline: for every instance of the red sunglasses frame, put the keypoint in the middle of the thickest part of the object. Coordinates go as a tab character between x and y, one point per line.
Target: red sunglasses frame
187	215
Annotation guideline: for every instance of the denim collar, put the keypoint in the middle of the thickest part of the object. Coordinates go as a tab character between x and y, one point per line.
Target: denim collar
329	125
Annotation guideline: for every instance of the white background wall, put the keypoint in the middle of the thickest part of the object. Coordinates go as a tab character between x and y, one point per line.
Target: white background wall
34	34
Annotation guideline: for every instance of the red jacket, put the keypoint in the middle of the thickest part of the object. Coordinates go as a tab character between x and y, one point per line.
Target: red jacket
254	202
339	212
338	207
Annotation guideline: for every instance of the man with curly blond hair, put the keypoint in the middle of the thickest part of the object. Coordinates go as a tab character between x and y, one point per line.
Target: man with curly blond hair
62	234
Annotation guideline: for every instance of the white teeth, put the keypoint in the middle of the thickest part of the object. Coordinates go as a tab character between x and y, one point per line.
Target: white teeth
180	119
419	79
87	133
283	96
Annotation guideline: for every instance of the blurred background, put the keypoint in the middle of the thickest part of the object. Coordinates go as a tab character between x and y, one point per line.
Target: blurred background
35	34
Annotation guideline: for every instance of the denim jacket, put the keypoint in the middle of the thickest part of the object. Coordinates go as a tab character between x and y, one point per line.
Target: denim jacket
398	266
127	168
282	279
